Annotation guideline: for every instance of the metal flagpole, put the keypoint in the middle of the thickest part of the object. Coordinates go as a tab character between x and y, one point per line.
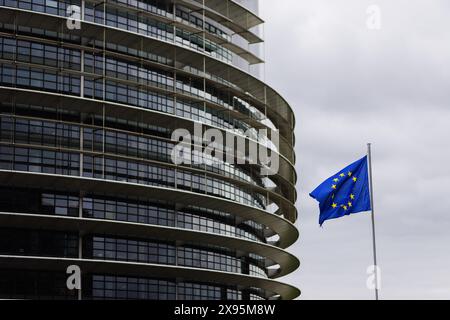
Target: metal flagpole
369	156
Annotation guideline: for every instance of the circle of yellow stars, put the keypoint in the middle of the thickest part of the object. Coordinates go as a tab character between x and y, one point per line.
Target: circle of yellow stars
349	204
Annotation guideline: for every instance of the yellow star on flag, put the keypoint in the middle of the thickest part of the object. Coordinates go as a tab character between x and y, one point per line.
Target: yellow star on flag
350	173
352	196
349	204
355	178
336	180
334	205
342	175
333	186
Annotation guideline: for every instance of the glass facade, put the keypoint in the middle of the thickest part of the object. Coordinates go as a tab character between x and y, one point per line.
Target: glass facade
134	210
117	71
24	284
86	118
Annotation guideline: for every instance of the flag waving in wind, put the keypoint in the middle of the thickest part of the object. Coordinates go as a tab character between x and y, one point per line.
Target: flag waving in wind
344	193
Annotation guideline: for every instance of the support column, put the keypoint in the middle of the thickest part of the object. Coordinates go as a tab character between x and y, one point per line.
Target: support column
80	256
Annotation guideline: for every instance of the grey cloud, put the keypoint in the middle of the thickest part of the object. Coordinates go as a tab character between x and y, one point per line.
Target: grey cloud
348	86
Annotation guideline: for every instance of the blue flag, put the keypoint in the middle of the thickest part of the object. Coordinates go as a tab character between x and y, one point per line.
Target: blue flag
344	193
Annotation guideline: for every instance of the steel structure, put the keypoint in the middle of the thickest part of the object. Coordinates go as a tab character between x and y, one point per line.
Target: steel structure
88	105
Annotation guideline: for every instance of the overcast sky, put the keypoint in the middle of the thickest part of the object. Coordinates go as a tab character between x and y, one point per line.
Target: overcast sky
350	85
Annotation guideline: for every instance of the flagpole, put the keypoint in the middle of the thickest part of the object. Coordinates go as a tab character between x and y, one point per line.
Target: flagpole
369	156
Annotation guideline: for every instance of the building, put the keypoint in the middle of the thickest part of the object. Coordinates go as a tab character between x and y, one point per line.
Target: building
91	92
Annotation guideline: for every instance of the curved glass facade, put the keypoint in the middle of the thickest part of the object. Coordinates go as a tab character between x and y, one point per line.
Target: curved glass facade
86	174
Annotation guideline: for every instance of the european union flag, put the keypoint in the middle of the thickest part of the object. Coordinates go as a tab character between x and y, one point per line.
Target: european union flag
344	193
